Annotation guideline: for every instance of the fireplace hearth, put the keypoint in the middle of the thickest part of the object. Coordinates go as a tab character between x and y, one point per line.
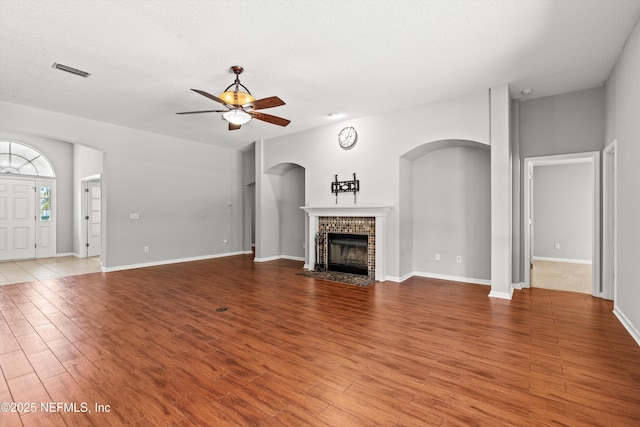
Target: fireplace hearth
348	253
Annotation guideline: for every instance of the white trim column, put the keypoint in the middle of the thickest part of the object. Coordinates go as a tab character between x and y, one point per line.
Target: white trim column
501	196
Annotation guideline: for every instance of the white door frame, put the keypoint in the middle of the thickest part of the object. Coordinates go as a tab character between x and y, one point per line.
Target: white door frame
84	185
609	219
592	157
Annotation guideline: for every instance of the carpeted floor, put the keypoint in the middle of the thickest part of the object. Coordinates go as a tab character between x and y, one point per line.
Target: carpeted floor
334	276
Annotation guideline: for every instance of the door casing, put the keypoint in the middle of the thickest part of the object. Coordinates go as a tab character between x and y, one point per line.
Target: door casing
593	157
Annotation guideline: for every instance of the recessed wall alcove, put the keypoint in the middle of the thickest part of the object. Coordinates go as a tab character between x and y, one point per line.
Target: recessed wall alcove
285	235
445	211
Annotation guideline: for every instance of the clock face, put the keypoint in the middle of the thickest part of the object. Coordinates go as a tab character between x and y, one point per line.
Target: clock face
347	137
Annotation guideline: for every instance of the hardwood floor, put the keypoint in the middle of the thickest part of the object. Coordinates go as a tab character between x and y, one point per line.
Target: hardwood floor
151	346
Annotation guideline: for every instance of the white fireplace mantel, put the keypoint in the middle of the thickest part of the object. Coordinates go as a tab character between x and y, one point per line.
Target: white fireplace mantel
355	210
378	211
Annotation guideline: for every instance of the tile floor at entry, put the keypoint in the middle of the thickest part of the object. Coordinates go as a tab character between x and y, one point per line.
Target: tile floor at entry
46	268
562	276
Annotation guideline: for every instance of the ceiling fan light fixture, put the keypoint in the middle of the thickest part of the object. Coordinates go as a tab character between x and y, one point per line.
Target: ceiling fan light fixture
236	117
236	98
241	106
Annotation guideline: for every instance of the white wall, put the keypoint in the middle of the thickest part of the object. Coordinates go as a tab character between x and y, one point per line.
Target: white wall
180	188
563	211
623	110
382	140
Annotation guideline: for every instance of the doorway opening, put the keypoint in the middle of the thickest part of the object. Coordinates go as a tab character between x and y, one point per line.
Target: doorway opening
551	236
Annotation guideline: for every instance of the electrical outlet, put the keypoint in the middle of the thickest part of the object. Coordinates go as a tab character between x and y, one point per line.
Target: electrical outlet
459	259
225	241
557	246
437	257
146	249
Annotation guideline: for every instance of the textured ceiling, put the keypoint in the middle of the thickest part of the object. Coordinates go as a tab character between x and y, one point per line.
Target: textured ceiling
353	57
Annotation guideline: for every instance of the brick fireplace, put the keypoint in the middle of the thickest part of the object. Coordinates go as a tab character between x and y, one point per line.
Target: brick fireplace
347	226
367	221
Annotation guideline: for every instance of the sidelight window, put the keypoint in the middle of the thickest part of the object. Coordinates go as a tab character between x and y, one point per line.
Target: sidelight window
45	203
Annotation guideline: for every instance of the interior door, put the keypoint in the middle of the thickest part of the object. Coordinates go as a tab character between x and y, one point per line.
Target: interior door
17	219
94	218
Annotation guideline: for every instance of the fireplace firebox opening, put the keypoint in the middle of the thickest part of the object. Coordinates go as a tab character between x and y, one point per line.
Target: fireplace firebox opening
348	253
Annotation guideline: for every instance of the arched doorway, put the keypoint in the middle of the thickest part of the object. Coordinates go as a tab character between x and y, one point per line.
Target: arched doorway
27	203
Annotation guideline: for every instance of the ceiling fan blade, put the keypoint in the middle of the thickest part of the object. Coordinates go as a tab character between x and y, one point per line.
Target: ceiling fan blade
272	101
204	111
269	118
208	95
233	127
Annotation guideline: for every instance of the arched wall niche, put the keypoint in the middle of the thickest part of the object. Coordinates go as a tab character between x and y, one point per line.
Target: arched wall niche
283	223
445	211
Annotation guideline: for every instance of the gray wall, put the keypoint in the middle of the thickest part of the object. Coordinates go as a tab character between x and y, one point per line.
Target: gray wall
568	123
376	159
292	217
563	211
249	198
284	231
623	103
188	194
562	124
452	212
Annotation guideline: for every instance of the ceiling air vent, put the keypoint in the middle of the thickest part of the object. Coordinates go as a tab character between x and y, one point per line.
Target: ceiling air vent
70	70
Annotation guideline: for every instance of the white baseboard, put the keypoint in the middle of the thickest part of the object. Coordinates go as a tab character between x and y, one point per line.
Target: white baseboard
501	295
568	260
397	279
438	276
293	258
266	259
277	257
171	261
627	324
453	278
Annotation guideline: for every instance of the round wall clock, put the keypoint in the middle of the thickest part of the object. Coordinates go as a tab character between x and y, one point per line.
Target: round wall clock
347	137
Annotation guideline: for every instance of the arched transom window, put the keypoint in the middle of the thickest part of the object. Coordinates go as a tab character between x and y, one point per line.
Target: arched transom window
19	159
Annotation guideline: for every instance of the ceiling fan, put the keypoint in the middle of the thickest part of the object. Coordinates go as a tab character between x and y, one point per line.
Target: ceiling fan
241	106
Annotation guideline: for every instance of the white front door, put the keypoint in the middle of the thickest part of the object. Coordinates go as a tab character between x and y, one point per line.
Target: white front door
93	218
17	219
